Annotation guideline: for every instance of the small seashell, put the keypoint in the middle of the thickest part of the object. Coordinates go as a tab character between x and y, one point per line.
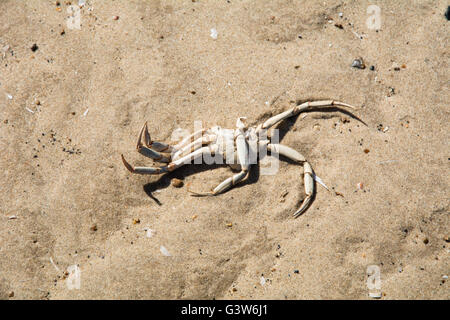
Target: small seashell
358	63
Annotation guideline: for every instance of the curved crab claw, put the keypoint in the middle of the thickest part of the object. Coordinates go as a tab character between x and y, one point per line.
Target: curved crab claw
127	165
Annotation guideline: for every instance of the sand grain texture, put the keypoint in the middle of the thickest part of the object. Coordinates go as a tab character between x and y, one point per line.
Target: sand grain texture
92	89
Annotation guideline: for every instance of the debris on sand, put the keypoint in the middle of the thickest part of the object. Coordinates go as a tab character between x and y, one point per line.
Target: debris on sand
34	47
177	183
214	33
164	251
375	295
262	281
358	63
149	232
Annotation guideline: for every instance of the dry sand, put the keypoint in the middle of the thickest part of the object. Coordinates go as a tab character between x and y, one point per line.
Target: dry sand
76	204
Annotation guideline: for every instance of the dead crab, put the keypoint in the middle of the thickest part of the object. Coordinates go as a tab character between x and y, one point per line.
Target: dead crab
245	143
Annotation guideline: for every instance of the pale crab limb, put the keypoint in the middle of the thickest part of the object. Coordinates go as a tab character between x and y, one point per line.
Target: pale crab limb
172	165
191	147
223	186
190	139
303	107
155	155
308	172
242	155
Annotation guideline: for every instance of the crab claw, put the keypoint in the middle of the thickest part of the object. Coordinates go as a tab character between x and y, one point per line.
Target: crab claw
127	165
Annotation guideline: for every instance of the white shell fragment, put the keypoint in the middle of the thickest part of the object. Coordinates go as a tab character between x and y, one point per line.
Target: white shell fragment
214	33
12	217
164	251
86	112
149	232
375	295
9	96
262	281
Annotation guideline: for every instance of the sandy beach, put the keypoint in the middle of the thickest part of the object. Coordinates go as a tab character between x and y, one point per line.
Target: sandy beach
78	81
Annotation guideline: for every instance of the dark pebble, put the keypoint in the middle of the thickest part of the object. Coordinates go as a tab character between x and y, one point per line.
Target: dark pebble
34	47
372	68
447	13
296	271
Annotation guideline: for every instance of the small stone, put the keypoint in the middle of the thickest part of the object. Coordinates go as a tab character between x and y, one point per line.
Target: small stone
136	221
177	183
360	186
366	151
426	241
115	17
229	225
11	294
372	68
296	271
358	63
447	13
94	228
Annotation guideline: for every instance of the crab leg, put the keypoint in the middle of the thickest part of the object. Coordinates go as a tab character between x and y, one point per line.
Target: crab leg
189	139
303	107
308	172
191	147
172	165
